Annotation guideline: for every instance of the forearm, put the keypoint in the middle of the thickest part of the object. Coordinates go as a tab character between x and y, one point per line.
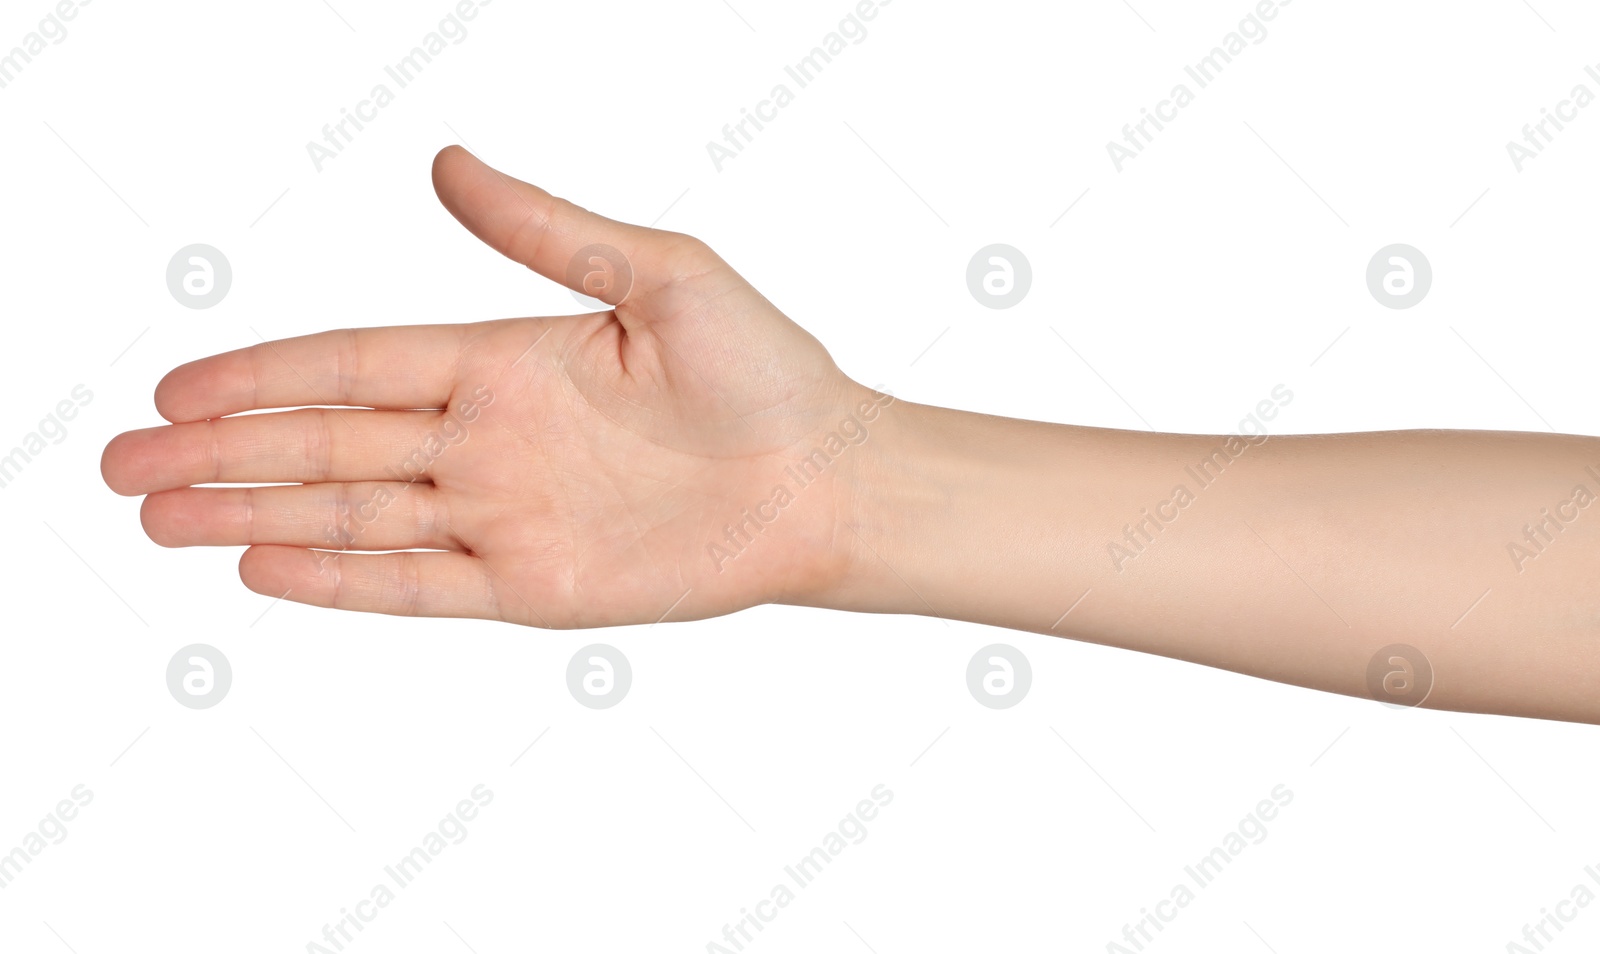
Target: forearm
1291	558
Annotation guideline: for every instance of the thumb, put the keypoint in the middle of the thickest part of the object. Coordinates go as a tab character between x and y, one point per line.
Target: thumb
568	244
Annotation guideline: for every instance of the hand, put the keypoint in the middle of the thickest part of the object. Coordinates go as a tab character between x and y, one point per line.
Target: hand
563	472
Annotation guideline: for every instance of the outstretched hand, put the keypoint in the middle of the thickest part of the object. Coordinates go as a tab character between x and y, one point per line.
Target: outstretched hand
584	470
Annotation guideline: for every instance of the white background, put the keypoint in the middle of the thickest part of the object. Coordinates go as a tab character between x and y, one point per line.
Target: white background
1223	261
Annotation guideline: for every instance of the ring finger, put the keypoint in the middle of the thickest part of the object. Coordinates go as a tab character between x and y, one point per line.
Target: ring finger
368	515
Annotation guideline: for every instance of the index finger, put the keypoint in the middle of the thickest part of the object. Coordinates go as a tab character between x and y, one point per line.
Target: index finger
402	368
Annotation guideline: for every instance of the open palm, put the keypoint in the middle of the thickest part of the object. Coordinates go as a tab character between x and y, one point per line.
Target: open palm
660	458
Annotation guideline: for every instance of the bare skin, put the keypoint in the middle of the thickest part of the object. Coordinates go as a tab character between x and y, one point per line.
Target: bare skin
661	459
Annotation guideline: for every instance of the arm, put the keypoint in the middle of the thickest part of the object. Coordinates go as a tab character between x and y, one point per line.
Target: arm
691	452
1292	558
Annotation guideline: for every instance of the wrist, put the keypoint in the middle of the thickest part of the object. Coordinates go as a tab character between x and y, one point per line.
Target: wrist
825	478
904	506
970	516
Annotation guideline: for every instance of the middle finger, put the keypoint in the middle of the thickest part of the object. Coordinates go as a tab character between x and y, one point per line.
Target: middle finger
311	445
